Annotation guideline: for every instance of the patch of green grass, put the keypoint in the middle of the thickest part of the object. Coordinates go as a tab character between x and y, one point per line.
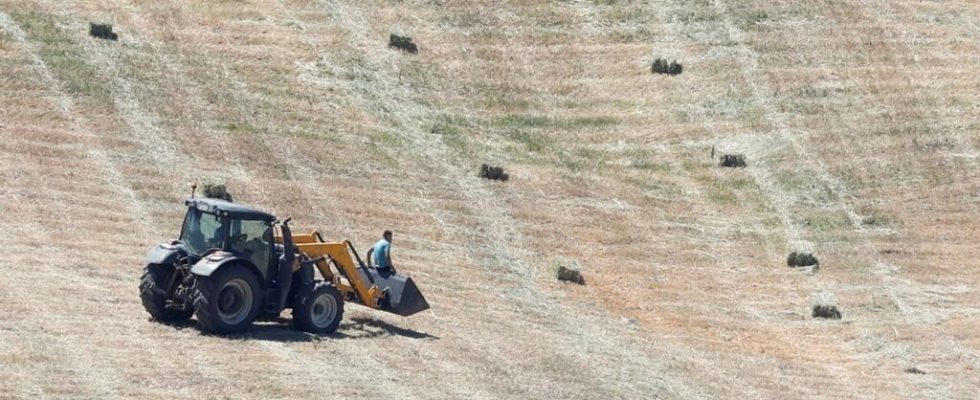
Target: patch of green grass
504	96
658	189
631	15
460	134
449	125
875	217
593	157
590	122
772	222
790	181
633	34
62	54
384	148
534	142
610	2
581	159
570	162
444	129
662	190
312	134
540	121
754	17
389	140
825	222
648	165
696	15
801	184
524	121
242	128
739	184
692	165
722	195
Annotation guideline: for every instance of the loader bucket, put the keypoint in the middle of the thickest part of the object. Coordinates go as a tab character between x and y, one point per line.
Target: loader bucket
404	298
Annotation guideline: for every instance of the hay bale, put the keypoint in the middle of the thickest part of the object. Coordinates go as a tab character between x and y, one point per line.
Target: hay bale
801	260
732	161
493	173
826	312
661	66
217	191
569	274
102	31
402	43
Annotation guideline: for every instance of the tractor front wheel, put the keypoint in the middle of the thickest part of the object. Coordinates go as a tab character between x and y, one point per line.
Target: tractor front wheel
153	292
227	301
319	308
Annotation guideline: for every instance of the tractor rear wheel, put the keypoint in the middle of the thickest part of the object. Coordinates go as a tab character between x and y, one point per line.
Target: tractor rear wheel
319	308
227	301
153	293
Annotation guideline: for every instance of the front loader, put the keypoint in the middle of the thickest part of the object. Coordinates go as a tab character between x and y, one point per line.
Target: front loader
233	264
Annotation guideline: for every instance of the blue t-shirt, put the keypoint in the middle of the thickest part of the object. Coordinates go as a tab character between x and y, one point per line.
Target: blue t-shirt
381	254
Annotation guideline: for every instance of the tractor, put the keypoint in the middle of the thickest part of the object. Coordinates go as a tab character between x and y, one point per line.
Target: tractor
233	264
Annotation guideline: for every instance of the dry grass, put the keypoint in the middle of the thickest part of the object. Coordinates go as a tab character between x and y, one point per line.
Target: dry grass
858	119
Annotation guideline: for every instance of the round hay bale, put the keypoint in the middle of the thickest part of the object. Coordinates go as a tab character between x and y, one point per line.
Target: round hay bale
732	161
826	312
661	66
217	191
796	259
493	173
102	31
569	274
404	43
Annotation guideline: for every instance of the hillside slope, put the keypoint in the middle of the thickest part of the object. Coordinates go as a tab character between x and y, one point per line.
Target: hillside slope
859	120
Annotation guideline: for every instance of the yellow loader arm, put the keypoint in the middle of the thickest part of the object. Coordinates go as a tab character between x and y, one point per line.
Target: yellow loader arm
390	292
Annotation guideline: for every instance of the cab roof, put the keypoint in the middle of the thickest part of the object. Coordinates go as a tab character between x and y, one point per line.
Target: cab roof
227	209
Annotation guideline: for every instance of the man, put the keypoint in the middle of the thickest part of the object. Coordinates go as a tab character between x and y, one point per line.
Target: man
382	253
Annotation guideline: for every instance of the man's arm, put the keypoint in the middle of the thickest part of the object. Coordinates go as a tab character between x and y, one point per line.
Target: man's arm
388	254
369	254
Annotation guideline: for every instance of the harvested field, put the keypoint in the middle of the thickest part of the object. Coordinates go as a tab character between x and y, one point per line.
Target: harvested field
859	120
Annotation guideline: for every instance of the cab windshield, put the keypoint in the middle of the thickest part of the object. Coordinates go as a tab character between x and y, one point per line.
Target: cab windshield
202	231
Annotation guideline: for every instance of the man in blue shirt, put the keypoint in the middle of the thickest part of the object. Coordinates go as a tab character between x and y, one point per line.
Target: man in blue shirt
382	253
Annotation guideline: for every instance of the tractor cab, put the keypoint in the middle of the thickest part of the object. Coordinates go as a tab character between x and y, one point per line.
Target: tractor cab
211	225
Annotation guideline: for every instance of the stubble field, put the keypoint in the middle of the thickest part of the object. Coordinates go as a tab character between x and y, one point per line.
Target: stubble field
859	120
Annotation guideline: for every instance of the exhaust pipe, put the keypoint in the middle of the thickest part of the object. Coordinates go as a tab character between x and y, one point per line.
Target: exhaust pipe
285	273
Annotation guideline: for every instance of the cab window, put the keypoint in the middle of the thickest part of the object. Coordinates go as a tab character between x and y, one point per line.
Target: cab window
253	238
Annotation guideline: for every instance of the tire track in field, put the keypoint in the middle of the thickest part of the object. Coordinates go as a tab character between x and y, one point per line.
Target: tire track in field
504	250
894	285
106	378
24	228
762	147
786	137
298	171
66	108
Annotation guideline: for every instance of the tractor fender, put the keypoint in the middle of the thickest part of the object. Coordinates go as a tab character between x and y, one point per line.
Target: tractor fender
163	253
210	263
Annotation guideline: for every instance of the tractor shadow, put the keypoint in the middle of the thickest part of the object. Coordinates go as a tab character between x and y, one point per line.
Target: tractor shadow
363	327
281	330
